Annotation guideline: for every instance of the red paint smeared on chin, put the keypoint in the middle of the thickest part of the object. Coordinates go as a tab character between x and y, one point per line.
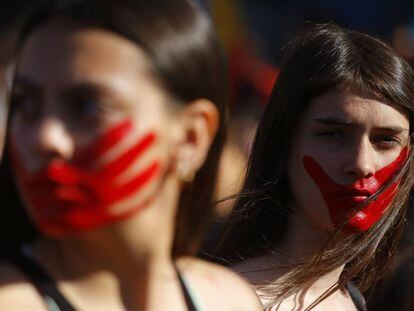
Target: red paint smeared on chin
69	198
342	200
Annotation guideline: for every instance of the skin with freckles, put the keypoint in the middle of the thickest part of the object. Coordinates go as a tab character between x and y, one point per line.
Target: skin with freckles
352	139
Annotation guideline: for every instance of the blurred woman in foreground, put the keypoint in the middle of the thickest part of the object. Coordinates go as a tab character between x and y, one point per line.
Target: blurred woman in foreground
115	132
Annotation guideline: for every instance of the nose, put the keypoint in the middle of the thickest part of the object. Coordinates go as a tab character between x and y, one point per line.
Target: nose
361	163
52	140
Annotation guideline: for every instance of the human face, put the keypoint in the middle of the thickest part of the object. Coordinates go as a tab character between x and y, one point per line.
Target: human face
347	145
92	131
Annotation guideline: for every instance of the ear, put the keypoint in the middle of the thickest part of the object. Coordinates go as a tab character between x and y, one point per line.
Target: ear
199	123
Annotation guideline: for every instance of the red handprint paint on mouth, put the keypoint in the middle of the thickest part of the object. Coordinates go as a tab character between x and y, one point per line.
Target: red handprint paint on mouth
343	200
69	198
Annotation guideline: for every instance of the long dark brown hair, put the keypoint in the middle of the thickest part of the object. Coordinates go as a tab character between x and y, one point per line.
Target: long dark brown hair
324	57
179	40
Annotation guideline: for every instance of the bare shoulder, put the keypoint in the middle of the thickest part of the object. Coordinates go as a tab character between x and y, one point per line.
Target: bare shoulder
218	287
16	292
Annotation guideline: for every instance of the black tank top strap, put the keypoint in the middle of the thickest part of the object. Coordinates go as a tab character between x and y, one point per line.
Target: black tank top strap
191	306
49	291
357	297
42	281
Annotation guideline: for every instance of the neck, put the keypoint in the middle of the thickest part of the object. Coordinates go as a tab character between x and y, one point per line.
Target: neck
325	282
130	257
102	250
302	239
301	242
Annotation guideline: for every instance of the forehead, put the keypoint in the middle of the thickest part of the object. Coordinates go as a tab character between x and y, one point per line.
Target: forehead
356	107
61	52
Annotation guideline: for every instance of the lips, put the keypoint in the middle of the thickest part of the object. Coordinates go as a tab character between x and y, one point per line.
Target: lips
348	191
353	196
343	200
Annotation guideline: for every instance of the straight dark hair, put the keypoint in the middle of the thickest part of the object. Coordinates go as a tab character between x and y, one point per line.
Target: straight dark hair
324	57
180	42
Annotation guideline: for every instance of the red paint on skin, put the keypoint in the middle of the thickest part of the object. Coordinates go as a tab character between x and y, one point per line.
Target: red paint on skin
68	198
342	200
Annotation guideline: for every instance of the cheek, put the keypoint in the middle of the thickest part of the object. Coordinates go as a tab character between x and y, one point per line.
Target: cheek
301	187
18	152
20	139
144	169
147	177
68	198
157	153
19	173
306	197
156	122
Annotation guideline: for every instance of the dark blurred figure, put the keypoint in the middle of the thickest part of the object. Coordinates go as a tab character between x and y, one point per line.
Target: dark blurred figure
11	16
396	291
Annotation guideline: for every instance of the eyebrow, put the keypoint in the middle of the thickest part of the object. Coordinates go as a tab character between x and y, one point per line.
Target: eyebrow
78	88
333	121
342	122
86	88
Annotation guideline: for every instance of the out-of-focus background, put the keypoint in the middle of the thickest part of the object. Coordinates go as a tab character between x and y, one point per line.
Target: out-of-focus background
253	34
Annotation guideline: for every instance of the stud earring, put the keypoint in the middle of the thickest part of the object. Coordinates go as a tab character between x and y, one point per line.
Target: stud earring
185	173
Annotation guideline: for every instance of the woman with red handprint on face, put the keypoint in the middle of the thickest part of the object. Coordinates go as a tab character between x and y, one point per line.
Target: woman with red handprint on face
327	188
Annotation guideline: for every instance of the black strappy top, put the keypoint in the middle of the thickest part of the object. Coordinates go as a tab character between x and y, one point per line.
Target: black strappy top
53	298
357	297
